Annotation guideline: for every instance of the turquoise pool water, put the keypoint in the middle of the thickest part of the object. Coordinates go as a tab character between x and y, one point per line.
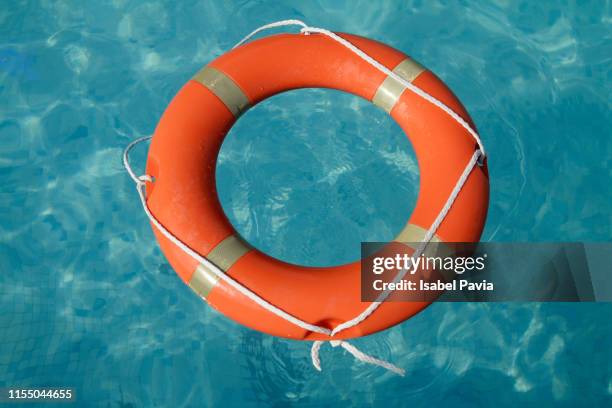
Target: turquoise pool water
88	301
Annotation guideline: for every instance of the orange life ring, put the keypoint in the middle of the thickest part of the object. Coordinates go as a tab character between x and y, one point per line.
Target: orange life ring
183	198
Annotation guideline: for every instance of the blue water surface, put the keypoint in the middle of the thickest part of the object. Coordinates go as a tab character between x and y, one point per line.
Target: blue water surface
87	299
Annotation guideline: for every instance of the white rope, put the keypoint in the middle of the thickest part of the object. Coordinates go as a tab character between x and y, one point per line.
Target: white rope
419	250
226	278
306	29
355	352
264	27
140	187
316	346
126	158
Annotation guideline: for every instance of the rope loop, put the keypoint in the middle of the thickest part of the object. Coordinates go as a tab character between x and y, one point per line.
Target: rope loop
126	160
145	178
356	353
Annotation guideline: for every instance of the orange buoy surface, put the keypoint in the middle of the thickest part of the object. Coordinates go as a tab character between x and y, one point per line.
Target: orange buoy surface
183	198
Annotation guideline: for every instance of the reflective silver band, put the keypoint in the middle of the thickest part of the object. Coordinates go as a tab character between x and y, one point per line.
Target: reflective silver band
224	255
390	90
412	235
203	281
224	88
227	252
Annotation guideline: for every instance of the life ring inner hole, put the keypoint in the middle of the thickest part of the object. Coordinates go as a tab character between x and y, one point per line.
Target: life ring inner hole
307	175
